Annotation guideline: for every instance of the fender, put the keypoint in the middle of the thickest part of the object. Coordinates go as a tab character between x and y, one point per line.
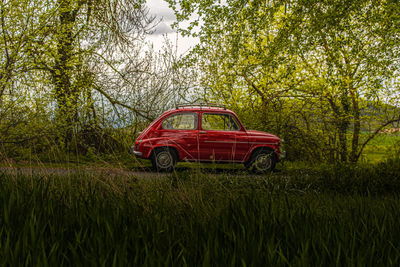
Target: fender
254	147
148	145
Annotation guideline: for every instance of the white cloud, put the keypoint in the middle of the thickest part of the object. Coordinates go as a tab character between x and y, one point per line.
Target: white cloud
162	28
161	10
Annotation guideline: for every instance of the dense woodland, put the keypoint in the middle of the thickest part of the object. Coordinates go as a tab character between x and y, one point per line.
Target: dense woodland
79	76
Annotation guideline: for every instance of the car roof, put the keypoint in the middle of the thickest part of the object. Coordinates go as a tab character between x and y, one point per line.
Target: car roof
200	108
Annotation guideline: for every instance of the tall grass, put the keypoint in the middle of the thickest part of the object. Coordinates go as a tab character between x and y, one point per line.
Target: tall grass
326	216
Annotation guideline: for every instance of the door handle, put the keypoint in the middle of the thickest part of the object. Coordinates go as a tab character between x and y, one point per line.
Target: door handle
202	132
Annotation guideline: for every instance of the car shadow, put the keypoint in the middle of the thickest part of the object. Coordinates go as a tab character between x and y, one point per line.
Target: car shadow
191	168
212	170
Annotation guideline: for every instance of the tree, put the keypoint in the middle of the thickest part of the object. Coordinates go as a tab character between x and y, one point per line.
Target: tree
78	31
72	71
351	50
18	26
321	64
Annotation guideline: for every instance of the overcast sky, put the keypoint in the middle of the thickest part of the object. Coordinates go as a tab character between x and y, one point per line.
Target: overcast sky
160	9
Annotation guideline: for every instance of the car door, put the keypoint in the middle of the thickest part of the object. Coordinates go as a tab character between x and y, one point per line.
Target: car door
181	131
221	138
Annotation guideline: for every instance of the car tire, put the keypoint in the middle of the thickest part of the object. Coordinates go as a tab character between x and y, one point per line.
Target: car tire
163	159
261	161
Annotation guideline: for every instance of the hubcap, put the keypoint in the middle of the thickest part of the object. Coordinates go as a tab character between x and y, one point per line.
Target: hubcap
263	162
164	159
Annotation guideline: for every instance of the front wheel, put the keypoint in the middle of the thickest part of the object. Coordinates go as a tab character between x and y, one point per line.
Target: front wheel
262	161
163	160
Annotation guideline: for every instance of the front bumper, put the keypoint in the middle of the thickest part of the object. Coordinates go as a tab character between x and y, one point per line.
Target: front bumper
136	153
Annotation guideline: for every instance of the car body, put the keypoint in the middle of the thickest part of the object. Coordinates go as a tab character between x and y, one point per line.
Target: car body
207	134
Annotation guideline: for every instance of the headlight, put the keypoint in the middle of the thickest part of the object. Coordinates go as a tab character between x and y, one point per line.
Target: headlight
137	144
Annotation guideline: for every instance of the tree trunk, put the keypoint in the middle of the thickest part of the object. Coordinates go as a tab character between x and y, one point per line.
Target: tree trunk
356	126
344	123
342	129
65	93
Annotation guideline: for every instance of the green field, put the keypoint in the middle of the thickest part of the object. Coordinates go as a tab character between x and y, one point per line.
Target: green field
317	216
381	147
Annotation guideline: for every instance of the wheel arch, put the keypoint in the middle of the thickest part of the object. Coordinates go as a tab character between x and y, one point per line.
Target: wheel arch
258	148
173	149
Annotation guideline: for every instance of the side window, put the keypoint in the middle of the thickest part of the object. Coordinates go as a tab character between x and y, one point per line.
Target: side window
182	121
221	122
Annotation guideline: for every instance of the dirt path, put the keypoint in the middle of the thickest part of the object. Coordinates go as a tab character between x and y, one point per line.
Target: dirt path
111	171
59	171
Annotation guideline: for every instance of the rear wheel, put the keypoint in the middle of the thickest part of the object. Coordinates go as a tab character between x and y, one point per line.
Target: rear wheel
261	161
163	159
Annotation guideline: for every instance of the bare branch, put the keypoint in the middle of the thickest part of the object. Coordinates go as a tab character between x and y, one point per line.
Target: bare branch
117	102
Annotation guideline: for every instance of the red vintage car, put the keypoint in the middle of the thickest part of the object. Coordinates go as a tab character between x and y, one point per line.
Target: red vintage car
206	133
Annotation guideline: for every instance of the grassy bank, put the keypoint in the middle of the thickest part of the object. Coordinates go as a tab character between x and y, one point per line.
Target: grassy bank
381	147
325	216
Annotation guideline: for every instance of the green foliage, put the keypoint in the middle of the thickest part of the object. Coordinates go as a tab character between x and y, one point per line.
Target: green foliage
330	215
74	75
311	69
